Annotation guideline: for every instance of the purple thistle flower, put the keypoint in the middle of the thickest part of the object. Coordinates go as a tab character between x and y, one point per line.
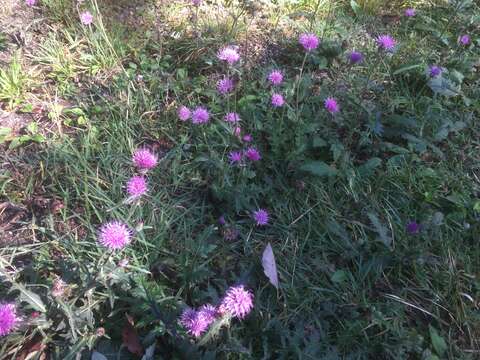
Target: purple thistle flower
332	105
261	217
86	18
238	302
194	322
253	154
30	2
247	138
235	157
225	85
355	57
277	100
208	312
275	77
221	220
184	113
386	42
200	115
196	2
229	54
309	41
232	117
413	228
8	318
410	12
144	159
114	235
464	40
434	71
136	186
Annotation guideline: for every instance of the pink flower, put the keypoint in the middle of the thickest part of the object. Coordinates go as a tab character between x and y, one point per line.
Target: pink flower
200	115
235	157
225	85
144	159
30	2
253	154
464	40
237	131
197	322
86	18
8	318
386	42
275	77
309	41
238	302
184	113
261	217
136	186
229	54
115	235
196	2
247	138
331	105
277	100
410	12
232	117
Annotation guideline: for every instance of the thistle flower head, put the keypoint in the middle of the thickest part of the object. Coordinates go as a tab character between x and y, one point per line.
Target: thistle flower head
195	322
332	105
30	2
8	318
355	57
386	42
253	154
235	157
309	41
184	113
238	302
114	235
247	138
232	117
413	228
144	159
229	54
410	12
136	186
225	86
200	115
86	18
434	71
464	39
208	312
275	77
261	217
196	2
277	100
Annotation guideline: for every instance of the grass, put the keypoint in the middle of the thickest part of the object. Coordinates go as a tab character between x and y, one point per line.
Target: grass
354	284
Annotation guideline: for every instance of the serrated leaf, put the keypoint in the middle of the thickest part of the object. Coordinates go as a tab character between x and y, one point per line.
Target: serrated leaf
443	86
30	297
318	168
438	343
269	265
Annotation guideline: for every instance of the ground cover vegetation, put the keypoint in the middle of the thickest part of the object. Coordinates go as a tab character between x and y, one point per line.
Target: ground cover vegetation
233	179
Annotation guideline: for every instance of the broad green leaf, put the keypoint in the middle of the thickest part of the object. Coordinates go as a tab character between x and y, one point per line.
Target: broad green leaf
318	168
438	343
339	276
443	86
4	134
355	7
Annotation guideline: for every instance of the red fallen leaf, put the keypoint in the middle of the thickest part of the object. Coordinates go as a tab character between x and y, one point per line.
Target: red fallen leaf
31	347
130	337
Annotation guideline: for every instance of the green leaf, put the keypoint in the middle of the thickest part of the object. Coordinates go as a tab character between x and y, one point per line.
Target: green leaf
32	127
318	168
380	229
30	297
355	7
339	276
444	87
369	167
438	343
4	134
406	68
